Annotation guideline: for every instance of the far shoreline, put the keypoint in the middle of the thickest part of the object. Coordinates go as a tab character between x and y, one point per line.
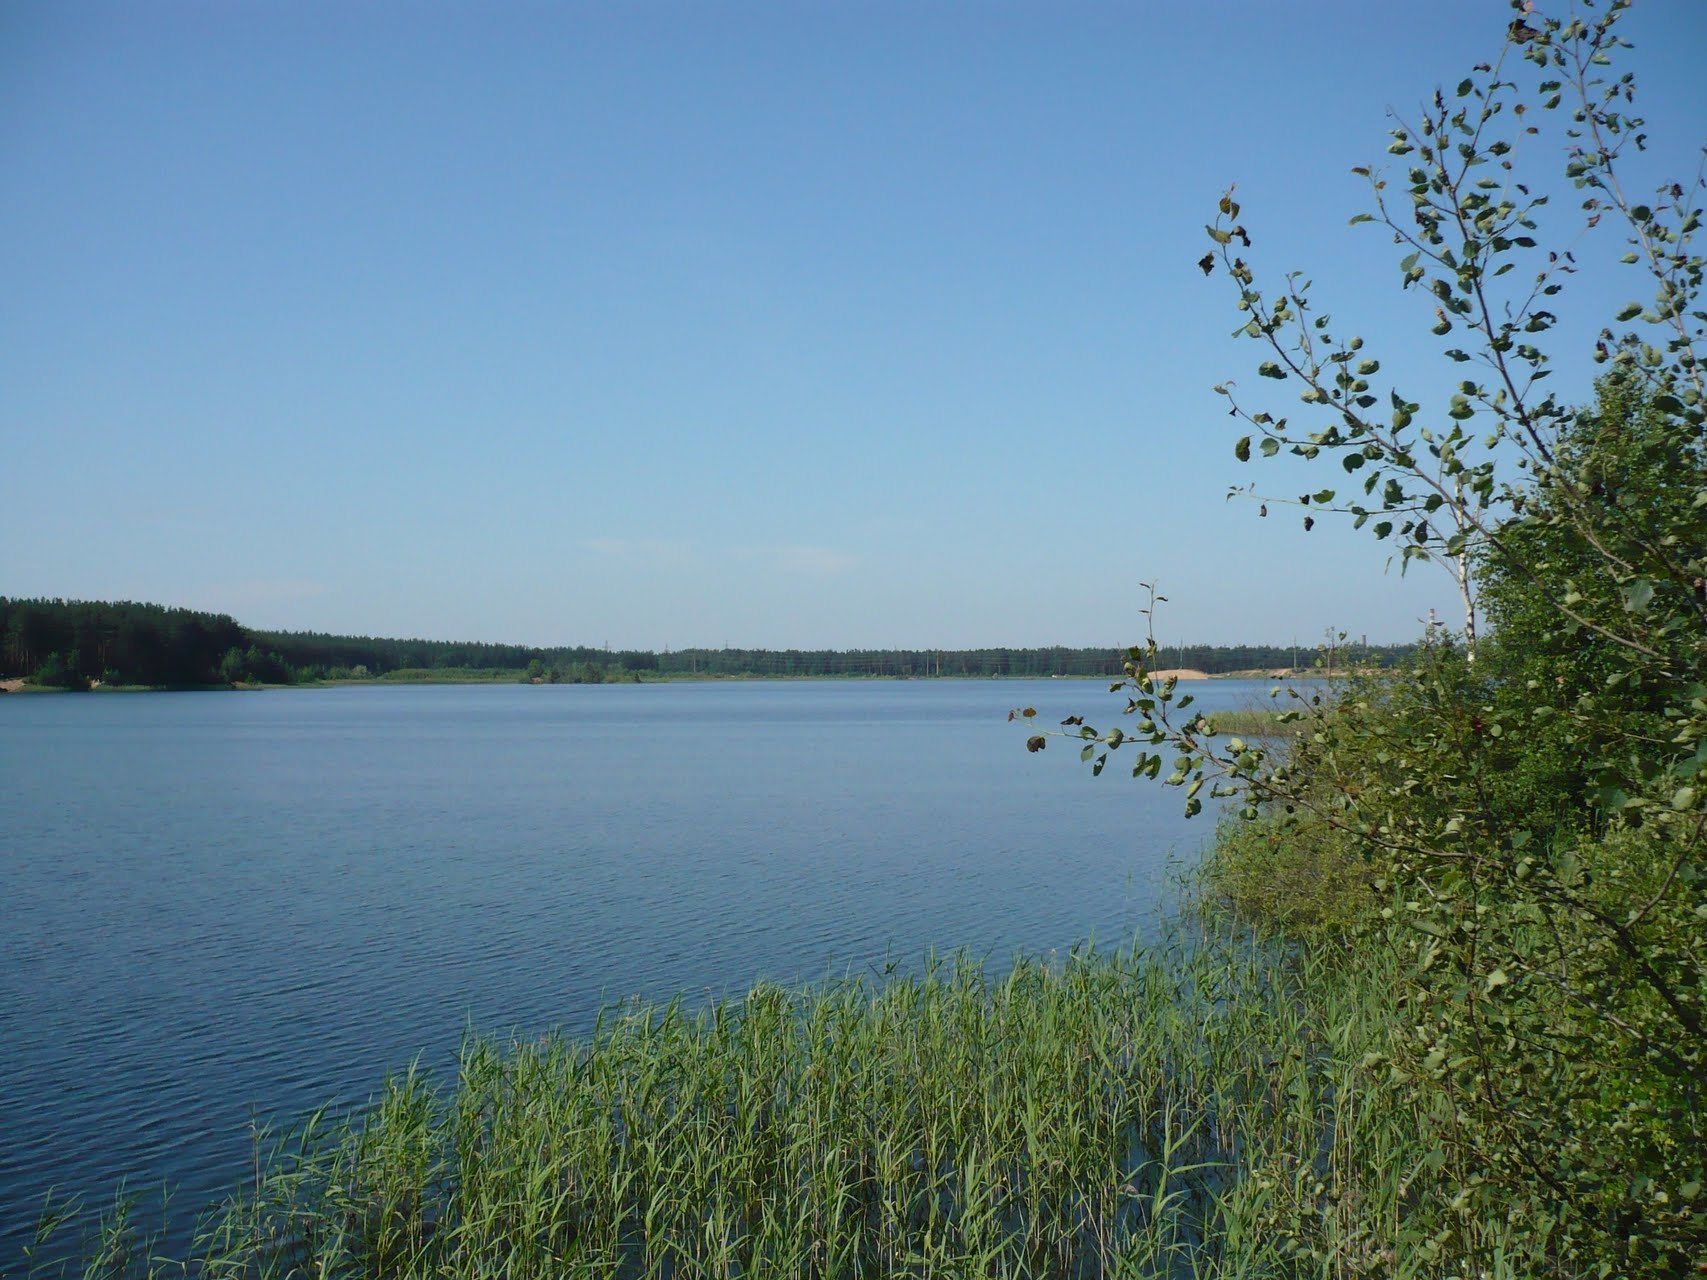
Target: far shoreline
17	685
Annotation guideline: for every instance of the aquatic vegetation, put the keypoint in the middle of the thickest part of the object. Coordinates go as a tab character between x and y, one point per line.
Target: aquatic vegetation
1194	1109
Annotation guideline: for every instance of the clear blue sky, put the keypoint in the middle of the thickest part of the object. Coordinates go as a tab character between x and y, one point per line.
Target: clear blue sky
697	323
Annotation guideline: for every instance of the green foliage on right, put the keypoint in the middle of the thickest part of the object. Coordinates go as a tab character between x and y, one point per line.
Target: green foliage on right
1515	826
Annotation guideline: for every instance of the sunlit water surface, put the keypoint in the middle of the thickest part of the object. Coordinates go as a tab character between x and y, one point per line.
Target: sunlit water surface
216	907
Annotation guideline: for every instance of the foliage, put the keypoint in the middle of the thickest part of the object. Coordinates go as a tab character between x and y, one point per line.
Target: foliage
121	642
1626	456
1179	1110
252	666
1297	879
578	673
56	672
310	652
1255	722
142	644
1528	808
323	655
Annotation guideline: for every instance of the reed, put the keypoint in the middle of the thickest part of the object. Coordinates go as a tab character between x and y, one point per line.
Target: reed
1196	1109
1254	722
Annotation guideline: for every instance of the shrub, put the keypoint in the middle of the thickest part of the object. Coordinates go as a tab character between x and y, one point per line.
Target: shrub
56	672
1528	807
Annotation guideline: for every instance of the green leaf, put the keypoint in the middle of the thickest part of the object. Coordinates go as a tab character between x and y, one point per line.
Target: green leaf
1242	450
1638	595
1629	311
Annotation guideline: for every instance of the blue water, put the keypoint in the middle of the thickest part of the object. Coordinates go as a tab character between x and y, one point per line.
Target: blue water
217	906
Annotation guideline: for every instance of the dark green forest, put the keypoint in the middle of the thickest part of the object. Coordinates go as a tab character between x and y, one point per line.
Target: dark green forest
71	643
67	643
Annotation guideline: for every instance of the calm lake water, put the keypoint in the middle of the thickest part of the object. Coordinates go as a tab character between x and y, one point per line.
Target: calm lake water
215	906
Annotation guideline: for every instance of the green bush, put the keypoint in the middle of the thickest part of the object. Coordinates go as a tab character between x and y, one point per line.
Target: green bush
1294	880
56	672
1526	806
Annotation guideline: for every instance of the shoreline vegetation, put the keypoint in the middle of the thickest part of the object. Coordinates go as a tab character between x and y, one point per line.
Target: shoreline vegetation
79	645
458	676
1154	1110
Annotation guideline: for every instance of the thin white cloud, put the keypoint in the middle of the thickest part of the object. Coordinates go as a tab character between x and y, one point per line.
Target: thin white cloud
815	561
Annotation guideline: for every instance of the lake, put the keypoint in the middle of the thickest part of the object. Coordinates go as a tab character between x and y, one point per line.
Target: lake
218	906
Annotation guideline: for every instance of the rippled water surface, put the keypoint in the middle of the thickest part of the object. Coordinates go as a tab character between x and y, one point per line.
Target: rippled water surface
215	906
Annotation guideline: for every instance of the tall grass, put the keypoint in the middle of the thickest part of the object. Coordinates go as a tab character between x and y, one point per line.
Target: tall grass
1254	722
1196	1110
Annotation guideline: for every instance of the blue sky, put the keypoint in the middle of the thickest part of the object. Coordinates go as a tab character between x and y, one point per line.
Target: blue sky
701	323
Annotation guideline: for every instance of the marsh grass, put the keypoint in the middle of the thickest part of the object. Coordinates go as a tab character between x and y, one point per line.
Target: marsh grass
1254	722
1191	1110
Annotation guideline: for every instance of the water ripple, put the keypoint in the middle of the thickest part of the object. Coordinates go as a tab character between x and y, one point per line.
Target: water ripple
224	908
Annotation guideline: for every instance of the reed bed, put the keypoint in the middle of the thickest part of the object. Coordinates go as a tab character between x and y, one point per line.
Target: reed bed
1192	1111
1254	722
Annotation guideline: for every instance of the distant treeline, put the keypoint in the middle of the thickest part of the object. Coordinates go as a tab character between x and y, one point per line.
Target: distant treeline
1058	660
335	657
69	643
